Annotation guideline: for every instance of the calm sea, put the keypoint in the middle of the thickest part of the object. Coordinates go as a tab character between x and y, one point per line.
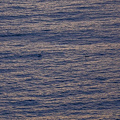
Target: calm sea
59	59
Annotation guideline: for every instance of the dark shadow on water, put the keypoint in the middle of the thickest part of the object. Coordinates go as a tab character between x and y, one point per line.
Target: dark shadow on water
24	103
7	70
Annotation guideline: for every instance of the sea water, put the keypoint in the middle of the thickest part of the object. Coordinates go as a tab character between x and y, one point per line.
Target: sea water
59	59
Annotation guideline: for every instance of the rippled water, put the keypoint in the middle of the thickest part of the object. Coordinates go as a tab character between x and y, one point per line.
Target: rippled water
77	76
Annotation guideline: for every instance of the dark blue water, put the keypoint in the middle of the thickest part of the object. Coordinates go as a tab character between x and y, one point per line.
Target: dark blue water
59	60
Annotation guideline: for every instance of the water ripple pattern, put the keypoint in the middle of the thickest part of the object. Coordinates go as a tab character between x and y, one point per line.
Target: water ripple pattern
59	60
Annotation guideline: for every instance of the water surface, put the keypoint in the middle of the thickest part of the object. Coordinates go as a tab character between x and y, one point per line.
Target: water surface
77	75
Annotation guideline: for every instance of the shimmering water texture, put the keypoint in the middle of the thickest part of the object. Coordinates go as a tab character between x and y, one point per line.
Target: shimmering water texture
59	60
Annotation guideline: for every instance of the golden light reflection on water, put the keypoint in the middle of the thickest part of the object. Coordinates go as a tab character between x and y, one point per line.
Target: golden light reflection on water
77	75
63	77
